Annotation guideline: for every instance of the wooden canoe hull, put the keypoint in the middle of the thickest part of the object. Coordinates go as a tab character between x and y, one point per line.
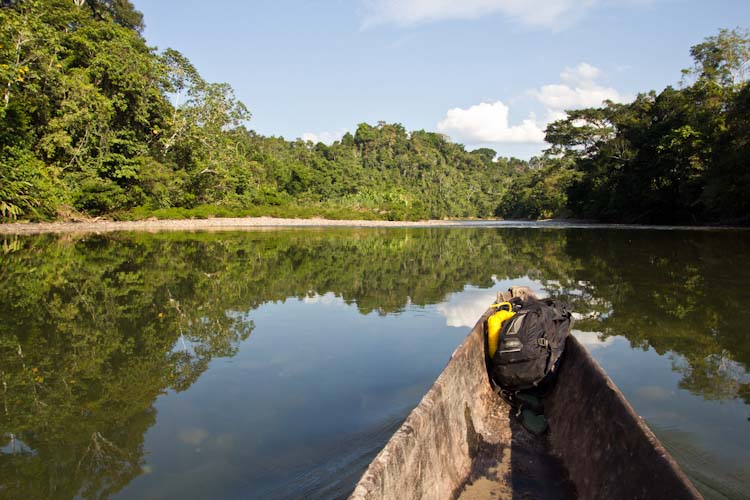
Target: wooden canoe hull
462	441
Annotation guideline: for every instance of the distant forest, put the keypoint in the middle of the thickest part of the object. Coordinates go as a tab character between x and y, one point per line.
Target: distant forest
94	122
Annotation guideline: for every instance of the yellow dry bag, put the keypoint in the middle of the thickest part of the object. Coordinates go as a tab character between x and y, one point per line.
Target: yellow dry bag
495	324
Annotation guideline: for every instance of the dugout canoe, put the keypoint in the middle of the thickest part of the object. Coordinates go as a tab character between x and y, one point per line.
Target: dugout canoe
462	441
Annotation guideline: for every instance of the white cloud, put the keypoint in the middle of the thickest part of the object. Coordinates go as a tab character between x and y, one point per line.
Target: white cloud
488	123
580	90
583	73
328	299
463	309
553	115
561	97
326	137
536	13
591	339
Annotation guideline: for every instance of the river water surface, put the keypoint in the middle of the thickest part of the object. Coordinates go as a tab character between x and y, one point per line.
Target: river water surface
276	364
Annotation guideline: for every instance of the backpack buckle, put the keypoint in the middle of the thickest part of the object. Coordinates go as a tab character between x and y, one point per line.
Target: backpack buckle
542	342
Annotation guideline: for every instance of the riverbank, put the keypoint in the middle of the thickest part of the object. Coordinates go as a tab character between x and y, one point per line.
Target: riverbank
100	226
242	223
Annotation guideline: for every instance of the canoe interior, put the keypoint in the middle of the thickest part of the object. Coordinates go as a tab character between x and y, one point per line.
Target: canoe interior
462	441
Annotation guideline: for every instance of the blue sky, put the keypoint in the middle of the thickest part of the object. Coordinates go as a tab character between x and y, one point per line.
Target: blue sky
485	72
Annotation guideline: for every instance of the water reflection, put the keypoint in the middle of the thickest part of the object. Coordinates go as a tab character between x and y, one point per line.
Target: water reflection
684	293
95	329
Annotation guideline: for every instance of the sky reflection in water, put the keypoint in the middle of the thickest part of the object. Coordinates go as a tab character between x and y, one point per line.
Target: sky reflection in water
276	364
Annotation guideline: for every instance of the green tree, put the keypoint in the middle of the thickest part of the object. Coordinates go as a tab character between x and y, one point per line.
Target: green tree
722	58
664	158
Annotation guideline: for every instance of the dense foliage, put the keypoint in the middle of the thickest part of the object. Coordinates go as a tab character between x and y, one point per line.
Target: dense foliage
94	121
677	156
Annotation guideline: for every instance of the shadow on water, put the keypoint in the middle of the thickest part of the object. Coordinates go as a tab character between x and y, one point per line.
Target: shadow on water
701	466
334	469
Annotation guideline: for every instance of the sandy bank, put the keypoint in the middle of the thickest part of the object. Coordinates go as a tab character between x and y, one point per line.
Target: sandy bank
204	225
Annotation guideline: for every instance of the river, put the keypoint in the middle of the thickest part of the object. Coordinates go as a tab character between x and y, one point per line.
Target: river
275	364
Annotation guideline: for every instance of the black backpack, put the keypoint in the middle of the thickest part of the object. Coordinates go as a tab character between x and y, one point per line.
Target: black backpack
531	343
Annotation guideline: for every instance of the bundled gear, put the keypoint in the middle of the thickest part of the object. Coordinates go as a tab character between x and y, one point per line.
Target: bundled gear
530	342
525	341
495	323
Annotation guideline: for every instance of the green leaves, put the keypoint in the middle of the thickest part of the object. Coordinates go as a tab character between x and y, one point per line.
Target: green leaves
723	58
83	102
116	125
662	158
93	117
26	186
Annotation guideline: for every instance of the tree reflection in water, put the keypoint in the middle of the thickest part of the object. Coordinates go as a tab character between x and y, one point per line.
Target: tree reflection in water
95	328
